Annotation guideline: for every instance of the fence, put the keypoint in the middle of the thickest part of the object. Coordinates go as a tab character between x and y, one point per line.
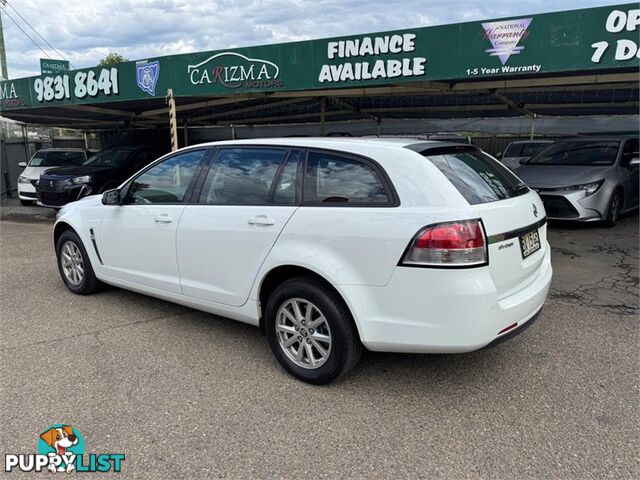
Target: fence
12	152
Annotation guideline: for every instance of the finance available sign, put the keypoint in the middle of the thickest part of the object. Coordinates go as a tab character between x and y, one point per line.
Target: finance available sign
367	64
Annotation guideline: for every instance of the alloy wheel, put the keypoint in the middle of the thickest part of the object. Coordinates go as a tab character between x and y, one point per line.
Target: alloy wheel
72	263
303	333
615	208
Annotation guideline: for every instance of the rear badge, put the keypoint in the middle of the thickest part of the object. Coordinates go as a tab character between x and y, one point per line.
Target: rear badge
505	245
535	210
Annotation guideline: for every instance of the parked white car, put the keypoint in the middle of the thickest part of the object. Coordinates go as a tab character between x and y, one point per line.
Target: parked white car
327	244
518	152
42	161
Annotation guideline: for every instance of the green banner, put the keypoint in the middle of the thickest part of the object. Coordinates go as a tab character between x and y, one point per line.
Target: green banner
595	39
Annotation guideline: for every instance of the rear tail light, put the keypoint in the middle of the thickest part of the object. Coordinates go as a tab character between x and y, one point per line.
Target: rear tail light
454	244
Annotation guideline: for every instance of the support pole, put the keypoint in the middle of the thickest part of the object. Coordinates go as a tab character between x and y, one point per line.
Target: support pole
3	53
86	140
323	112
185	133
233	132
173	122
533	123
378	122
25	136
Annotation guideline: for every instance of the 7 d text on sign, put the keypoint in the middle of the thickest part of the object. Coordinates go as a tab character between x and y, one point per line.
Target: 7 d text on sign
619	21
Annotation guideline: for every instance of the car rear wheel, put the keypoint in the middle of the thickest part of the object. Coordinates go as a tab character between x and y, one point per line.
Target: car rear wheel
311	331
615	207
74	264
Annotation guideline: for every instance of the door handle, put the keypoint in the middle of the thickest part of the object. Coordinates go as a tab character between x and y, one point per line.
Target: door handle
163	218
261	220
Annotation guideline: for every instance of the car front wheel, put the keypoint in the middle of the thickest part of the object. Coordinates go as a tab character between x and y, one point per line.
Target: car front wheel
311	331
74	264
615	207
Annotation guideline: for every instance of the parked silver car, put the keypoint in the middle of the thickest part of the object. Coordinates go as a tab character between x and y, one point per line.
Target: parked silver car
518	152
587	178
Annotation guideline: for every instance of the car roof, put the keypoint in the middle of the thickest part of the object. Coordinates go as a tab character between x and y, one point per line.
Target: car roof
347	144
60	149
596	138
531	141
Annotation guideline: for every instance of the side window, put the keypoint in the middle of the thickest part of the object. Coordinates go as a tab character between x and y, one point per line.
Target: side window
629	151
241	176
285	191
513	150
335	179
166	182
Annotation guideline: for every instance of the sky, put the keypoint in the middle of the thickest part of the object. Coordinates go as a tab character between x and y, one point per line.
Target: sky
85	31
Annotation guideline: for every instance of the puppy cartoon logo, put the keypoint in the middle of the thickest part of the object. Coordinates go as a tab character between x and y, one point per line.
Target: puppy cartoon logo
61	448
62	441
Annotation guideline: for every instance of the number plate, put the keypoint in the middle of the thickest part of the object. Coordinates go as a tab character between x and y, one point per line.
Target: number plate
529	243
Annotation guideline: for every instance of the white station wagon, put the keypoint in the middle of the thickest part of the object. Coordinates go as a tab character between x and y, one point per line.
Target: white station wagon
326	244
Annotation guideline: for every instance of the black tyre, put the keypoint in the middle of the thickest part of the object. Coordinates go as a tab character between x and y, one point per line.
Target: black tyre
614	209
311	332
74	264
27	203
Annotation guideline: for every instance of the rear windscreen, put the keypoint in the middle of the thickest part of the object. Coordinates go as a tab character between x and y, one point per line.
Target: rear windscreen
478	177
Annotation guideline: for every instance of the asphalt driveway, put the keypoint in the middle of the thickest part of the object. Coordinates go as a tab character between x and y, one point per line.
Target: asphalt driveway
185	394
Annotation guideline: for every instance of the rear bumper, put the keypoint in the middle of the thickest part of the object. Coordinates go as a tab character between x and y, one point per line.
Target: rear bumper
515	331
443	311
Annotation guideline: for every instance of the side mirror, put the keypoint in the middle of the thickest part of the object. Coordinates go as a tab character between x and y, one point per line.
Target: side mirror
22	164
523	161
499	155
111	197
634	162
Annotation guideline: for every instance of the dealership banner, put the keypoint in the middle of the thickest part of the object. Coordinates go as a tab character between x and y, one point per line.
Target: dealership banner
594	39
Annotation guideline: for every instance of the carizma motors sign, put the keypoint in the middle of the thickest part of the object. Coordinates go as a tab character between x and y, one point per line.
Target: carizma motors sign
234	70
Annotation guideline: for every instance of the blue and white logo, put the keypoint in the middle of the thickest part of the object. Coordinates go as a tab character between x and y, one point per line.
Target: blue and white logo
147	74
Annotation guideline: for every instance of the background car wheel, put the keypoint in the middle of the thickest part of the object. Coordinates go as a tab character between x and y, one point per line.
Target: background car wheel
311	331
27	203
74	264
615	207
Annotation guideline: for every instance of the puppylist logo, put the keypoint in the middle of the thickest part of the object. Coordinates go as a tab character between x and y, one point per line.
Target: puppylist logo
61	448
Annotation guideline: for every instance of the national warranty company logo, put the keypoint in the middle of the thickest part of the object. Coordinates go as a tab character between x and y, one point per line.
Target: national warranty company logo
505	36
61	448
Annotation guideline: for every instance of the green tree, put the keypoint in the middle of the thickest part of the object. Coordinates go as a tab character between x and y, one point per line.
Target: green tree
112	59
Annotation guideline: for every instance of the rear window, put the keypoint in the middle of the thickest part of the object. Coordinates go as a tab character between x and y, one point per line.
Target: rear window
332	179
478	177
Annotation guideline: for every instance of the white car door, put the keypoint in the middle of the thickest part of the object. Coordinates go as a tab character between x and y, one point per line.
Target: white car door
138	238
247	197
